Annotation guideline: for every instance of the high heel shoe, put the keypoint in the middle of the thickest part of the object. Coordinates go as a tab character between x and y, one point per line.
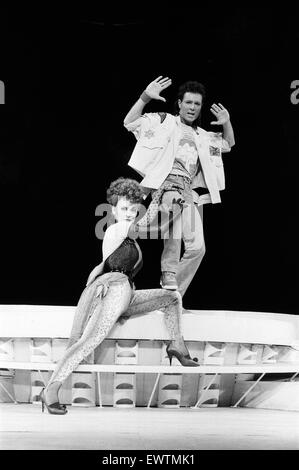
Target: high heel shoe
55	408
184	359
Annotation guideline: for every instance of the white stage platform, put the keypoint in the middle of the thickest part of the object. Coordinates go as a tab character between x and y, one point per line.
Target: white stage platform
131	368
51	321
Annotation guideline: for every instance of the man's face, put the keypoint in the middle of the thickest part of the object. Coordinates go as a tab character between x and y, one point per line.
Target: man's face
190	107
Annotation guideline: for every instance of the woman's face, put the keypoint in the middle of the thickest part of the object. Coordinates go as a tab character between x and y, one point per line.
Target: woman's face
125	210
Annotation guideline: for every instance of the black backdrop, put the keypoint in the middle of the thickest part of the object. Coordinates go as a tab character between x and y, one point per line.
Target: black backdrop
71	76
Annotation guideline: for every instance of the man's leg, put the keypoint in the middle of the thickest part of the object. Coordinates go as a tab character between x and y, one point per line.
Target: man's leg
194	246
172	241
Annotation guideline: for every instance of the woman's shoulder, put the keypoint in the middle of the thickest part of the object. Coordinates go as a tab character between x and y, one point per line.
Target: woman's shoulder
118	230
114	236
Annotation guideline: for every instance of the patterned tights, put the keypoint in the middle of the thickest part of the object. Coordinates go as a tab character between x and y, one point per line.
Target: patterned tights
100	306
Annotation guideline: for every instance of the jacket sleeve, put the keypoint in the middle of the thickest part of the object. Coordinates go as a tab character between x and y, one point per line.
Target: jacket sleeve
225	146
216	140
146	122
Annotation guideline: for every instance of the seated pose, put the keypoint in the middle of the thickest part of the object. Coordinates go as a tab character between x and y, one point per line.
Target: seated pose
110	293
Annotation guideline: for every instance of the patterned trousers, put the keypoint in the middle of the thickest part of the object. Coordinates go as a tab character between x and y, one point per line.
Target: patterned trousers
100	306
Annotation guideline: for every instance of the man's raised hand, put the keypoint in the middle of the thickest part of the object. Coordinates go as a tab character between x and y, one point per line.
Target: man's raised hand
155	87
221	114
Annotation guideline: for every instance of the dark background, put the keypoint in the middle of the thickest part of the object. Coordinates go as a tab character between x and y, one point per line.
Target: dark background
71	77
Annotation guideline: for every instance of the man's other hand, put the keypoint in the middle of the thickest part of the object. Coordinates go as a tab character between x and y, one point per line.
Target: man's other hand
220	113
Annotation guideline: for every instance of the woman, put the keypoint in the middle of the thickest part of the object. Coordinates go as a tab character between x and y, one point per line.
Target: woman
110	293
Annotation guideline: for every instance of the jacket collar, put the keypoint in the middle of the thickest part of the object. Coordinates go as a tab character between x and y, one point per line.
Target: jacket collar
198	130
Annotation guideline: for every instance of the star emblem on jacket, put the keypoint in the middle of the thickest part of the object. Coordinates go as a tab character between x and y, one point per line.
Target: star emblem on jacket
149	134
215	151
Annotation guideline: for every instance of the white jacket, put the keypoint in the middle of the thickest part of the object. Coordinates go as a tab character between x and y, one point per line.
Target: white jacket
156	148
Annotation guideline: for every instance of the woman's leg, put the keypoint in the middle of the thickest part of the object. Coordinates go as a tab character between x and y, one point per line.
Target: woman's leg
83	311
145	301
105	313
173	236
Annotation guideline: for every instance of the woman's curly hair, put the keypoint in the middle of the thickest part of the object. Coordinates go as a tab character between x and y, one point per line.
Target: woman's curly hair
124	187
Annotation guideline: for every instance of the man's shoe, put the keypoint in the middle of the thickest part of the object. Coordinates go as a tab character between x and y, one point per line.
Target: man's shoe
168	281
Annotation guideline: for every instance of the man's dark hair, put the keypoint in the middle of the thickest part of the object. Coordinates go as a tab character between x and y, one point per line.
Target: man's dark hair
190	87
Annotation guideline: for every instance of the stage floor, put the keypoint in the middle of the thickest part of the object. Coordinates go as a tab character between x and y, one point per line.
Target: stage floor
24	426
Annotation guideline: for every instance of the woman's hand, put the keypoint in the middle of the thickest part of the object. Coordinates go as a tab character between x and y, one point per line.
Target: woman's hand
155	87
102	289
220	113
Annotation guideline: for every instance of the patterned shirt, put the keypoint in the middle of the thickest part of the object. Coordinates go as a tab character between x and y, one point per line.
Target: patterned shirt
186	161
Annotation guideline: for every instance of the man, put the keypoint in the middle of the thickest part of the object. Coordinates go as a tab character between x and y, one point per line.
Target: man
174	149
